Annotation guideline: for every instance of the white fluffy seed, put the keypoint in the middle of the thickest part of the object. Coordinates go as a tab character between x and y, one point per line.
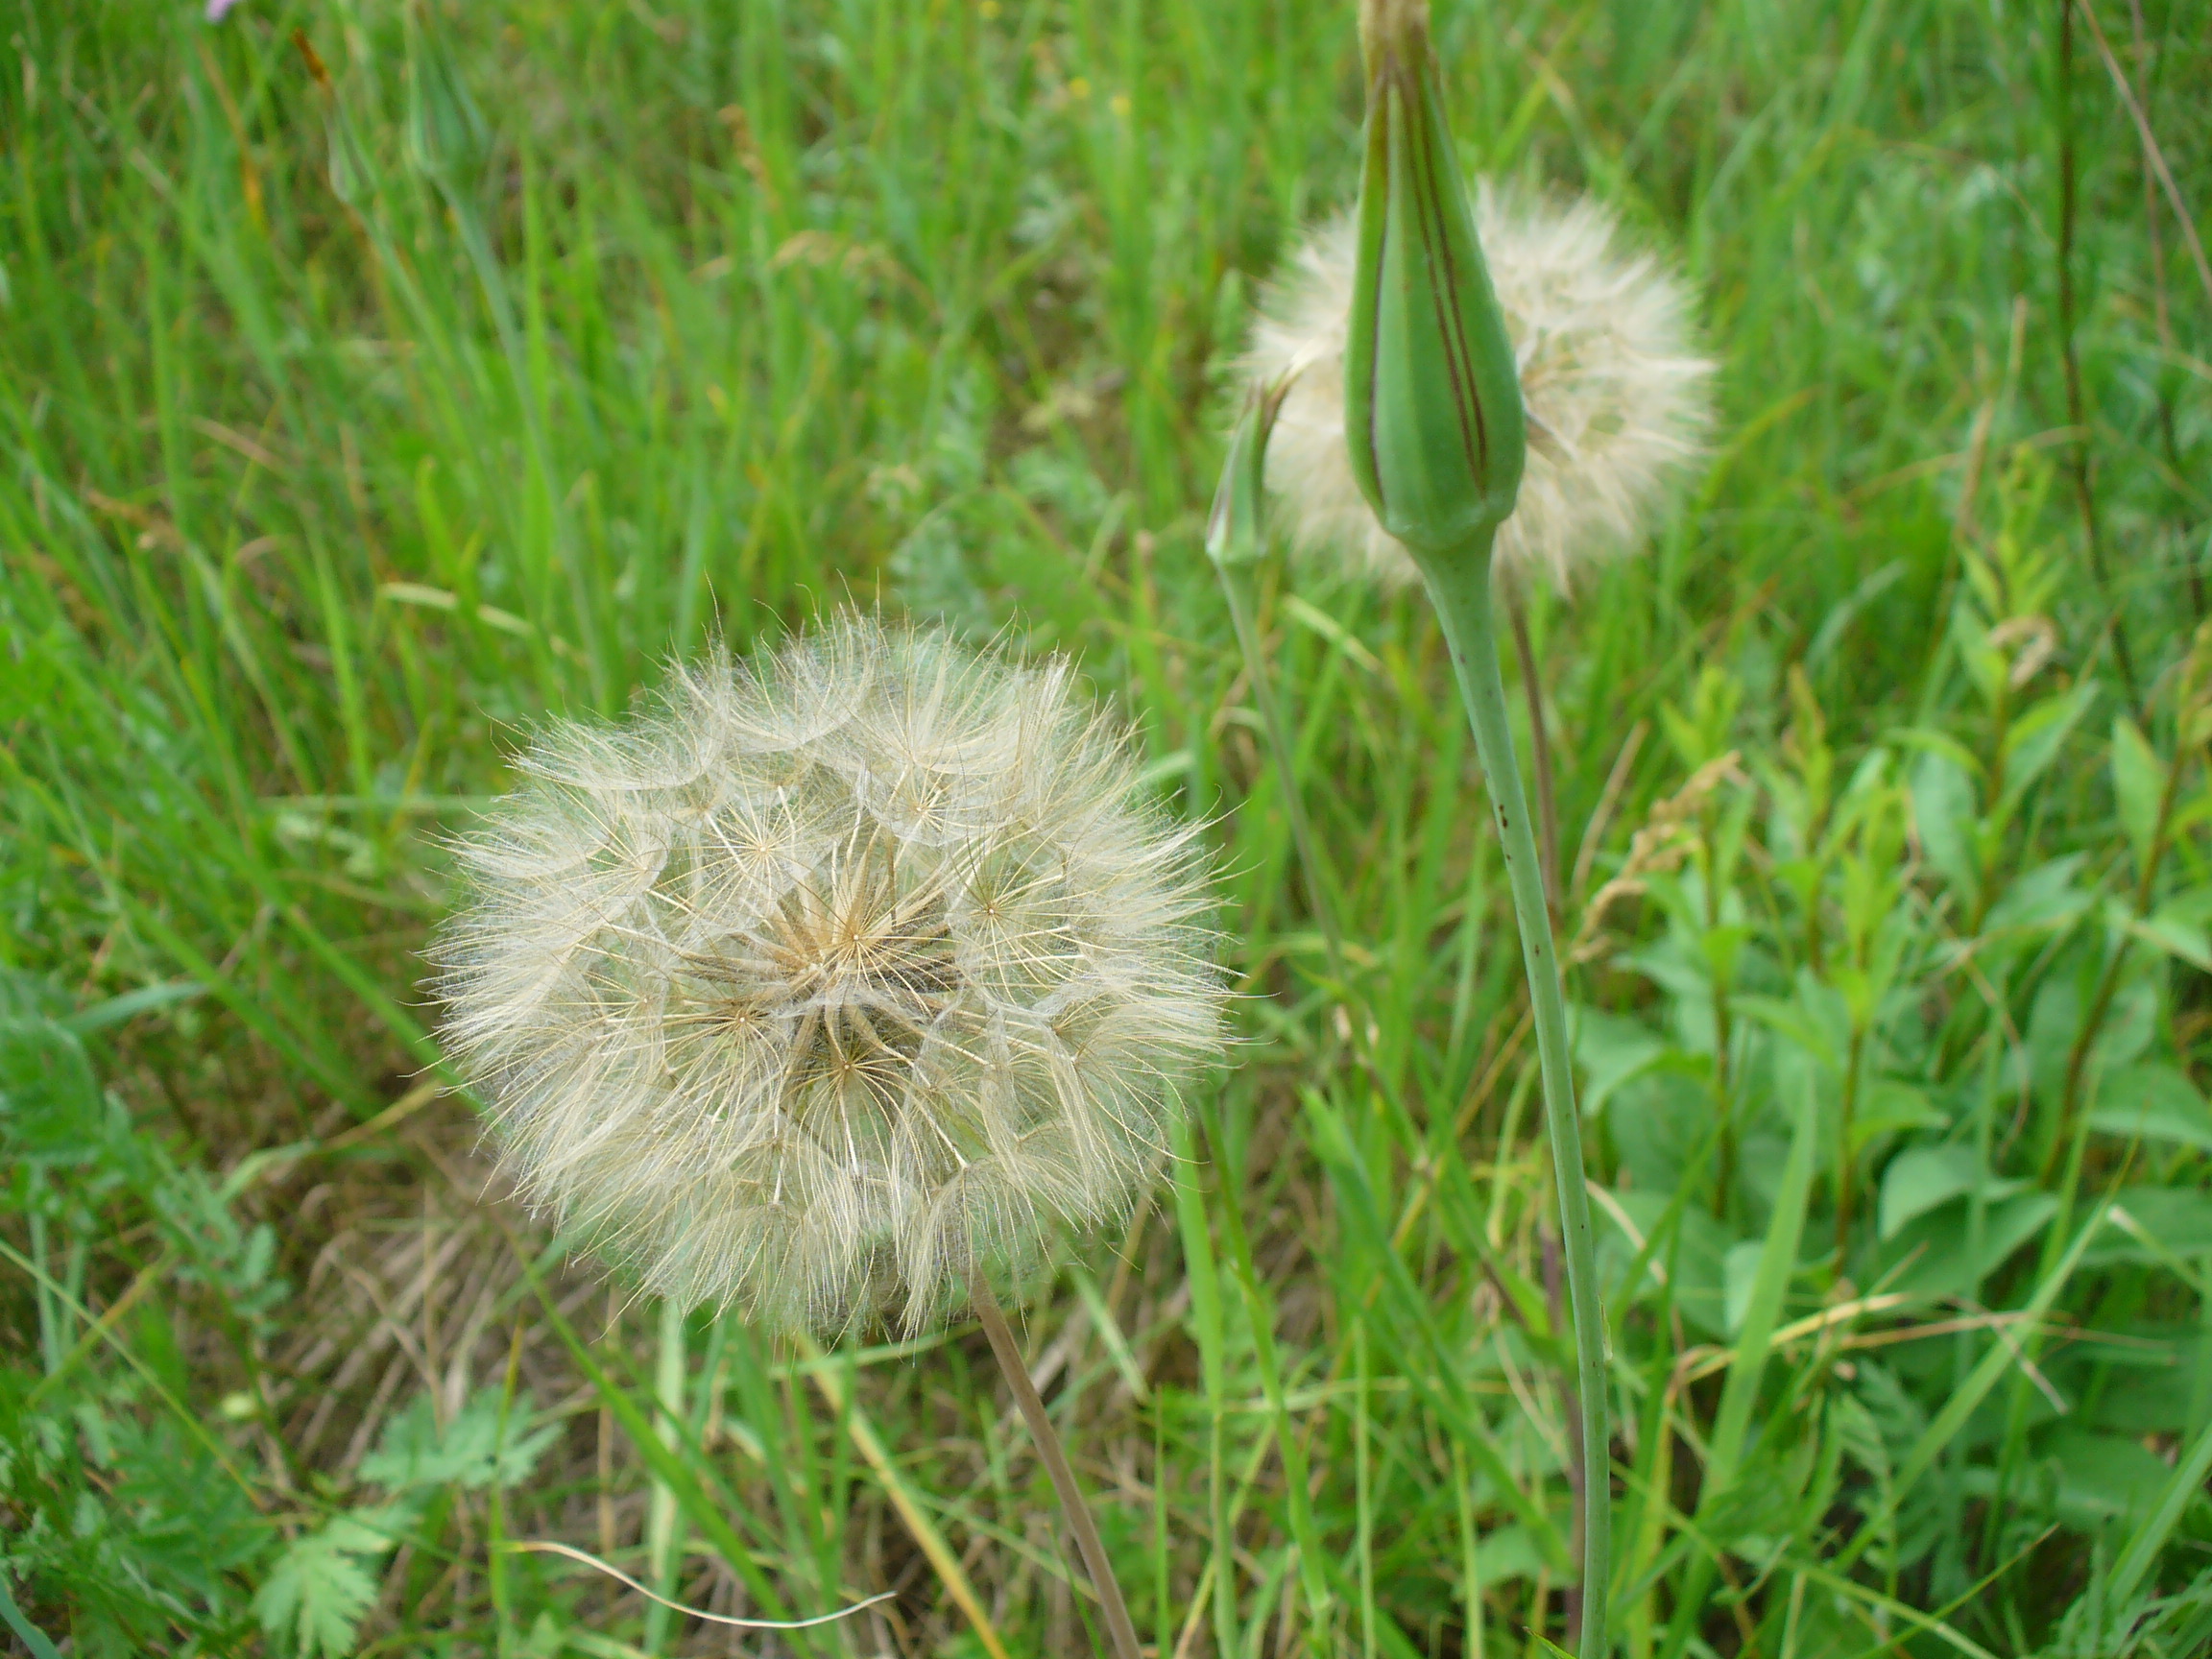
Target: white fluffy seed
842	975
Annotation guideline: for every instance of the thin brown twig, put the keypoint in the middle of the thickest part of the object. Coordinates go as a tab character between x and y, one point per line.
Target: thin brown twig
2150	150
1608	799
1091	1546
2077	401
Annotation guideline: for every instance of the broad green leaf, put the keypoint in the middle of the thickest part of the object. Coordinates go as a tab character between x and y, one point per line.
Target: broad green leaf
1789	1018
1611	1051
1922	740
2153	1103
412	1454
2177	934
1936	1256
1507	1555
1890	1107
2156	1224
1919	1178
2039	735
2053	1021
2045	897
50	1108
2138	780
1659	1122
1944	816
1739	1273
2100	1477
1694	1257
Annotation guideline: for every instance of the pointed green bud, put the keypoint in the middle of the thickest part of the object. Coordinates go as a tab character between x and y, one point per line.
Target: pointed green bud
1233	533
352	177
1432	401
447	141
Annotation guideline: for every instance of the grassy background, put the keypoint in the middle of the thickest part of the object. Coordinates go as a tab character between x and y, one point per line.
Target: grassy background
354	415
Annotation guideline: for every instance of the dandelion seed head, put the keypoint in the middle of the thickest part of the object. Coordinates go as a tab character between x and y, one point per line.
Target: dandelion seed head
838	975
1618	399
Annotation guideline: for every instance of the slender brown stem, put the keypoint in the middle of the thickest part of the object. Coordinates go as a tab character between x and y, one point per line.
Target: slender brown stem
1540	742
2109	983
2076	411
1047	1440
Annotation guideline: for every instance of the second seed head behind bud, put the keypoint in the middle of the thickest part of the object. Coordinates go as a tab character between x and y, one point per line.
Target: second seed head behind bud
841	976
1445	371
1618	398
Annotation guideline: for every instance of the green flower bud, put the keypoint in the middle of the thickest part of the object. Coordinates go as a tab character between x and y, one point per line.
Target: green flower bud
1433	411
1233	535
447	141
352	176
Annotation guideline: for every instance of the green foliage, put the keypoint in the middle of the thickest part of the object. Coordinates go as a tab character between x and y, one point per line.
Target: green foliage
474	1450
325	1581
349	421
118	1500
314	1598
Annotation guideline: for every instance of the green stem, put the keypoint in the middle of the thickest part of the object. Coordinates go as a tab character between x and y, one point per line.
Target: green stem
1313	1567
1846	1156
1539	752
1460	586
1241	583
662	1518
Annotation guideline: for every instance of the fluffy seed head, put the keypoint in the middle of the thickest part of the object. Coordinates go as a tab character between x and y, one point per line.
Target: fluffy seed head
1616	399
838	976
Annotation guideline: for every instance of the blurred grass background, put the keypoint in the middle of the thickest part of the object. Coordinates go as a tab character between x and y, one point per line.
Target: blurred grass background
375	379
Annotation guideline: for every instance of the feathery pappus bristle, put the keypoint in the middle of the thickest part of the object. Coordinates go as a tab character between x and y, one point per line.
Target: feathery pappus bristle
1617	398
845	972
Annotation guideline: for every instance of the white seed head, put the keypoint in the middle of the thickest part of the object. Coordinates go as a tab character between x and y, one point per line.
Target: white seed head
1618	400
839	975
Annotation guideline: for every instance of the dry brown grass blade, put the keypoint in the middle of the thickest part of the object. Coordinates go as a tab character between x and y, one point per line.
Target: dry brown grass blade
548	1546
918	1523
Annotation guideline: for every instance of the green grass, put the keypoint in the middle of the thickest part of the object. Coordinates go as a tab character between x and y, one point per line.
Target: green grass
340	439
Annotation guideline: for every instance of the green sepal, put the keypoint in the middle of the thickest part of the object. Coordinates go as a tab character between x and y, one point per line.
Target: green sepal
447	139
1433	413
1235	532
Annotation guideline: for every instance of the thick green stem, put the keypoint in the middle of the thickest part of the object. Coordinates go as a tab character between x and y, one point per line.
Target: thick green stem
663	1520
1460	586
1239	582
